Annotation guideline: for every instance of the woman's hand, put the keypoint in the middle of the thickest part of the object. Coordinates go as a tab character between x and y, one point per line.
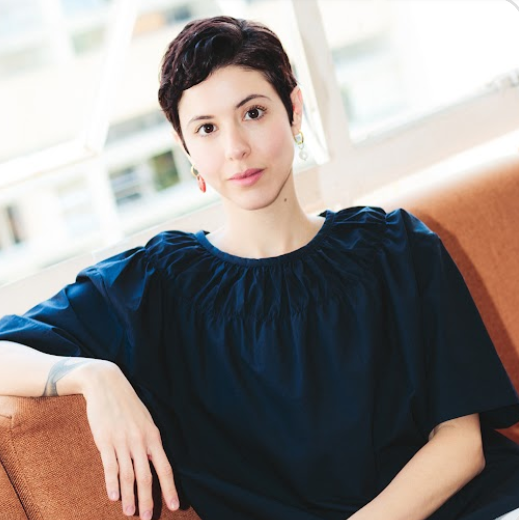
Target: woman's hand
127	439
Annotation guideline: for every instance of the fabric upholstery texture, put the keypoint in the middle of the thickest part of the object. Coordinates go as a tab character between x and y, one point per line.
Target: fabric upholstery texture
10	506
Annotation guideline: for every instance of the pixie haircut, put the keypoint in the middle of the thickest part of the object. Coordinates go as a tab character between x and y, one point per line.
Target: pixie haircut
206	45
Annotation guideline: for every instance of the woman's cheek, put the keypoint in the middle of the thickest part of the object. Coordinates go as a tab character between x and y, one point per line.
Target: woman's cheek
205	160
278	141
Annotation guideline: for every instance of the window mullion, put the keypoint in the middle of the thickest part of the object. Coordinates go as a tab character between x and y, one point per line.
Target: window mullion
321	73
122	22
6	235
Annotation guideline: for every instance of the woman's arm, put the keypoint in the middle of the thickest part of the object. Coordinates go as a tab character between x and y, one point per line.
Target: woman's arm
452	457
123	429
26	372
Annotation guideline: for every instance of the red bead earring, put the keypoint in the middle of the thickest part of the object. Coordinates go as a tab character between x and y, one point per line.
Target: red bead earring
199	179
201	183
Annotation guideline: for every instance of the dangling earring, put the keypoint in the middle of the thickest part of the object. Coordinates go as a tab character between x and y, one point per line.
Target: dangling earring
201	183
300	141
199	179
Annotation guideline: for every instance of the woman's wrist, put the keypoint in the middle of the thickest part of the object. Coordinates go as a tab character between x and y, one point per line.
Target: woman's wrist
86	376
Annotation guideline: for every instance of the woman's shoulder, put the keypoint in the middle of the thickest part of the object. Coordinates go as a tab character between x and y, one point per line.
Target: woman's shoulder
157	256
378	216
169	243
172	251
377	224
369	230
399	220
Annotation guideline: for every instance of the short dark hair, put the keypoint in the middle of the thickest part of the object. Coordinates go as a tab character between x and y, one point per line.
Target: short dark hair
205	45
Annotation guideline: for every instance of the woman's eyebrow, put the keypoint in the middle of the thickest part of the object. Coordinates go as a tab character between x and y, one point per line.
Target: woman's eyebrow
249	98
240	104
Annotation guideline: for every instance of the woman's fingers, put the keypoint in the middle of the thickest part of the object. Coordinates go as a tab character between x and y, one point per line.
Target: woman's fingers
126	481
165	474
126	470
144	480
111	470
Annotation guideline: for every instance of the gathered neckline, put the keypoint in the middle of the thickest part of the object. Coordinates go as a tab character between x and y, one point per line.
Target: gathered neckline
329	216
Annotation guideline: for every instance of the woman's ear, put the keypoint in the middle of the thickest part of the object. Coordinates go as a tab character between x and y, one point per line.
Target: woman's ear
297	103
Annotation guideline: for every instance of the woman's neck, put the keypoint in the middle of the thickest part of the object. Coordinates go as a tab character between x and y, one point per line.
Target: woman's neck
278	229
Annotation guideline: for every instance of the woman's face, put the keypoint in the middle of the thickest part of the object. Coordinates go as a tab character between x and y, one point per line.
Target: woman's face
238	134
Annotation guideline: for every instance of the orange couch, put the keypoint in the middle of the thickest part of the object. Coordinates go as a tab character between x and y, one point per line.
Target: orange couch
49	465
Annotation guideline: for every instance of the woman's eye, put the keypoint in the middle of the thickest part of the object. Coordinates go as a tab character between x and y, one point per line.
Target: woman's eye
252	113
206	129
255	113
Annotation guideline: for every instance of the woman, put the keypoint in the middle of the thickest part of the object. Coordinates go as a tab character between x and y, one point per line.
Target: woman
297	367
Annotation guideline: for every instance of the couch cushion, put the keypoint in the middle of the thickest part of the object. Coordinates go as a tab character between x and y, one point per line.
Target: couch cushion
10	506
49	454
476	214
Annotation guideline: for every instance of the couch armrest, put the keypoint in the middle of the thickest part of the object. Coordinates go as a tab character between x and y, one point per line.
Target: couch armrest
49	455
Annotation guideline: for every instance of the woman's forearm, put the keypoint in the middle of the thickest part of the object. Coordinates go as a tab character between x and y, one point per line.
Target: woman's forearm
27	372
441	468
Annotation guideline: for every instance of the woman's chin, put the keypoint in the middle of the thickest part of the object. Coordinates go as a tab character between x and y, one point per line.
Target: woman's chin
253	201
258	199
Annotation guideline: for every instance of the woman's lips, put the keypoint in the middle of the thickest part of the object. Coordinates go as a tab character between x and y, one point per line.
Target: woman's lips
248	177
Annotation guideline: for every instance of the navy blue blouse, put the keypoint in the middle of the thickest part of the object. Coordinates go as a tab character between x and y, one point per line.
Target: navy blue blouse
295	387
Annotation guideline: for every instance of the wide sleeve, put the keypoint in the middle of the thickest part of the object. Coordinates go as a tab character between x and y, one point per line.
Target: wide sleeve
111	309
463	372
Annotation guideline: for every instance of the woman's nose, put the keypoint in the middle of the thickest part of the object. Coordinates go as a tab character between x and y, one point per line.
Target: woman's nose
237	145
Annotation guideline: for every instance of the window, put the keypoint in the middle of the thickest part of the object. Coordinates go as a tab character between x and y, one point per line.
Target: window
397	59
11	226
81	7
165	171
47	91
145	179
19	17
76	209
88	40
15	224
